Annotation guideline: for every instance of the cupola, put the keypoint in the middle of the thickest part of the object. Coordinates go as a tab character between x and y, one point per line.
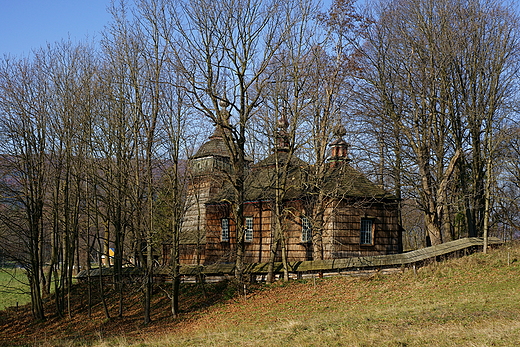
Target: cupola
282	135
339	147
213	155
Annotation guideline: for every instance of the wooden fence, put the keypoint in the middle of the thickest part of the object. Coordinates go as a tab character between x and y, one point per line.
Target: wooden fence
331	265
466	245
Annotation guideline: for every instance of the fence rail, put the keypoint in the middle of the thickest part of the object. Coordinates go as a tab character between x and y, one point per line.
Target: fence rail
378	261
329	265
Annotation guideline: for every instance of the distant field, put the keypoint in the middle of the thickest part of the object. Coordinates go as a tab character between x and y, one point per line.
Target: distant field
13	288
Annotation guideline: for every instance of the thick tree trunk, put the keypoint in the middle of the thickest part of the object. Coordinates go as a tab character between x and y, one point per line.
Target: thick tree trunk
272	257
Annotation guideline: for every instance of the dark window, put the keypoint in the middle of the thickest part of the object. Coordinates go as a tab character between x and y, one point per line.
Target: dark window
306	230
366	231
249	229
224	235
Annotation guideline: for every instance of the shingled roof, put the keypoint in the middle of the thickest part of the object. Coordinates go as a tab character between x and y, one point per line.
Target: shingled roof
344	181
340	181
216	146
262	181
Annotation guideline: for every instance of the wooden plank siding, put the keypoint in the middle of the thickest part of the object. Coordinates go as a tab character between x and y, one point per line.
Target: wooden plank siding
341	234
216	250
346	221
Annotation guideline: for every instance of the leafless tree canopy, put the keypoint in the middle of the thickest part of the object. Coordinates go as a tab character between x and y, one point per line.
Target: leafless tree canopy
441	78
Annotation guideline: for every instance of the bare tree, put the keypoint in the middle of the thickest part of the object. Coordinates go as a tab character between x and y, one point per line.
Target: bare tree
331	67
507	197
174	130
24	124
439	81
282	117
222	52
69	69
128	172
143	44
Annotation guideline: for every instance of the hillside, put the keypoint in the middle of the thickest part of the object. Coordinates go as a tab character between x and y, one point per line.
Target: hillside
471	301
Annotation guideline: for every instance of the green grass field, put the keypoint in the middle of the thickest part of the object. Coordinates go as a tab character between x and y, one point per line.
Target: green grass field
13	288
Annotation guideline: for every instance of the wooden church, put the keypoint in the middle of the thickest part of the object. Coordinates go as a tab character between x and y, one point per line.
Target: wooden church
342	215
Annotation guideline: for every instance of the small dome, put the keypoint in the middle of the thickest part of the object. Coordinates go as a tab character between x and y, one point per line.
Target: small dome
214	147
283	123
339	131
224	103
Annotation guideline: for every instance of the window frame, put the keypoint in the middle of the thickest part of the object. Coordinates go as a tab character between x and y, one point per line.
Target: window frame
366	232
248	229
306	235
224	230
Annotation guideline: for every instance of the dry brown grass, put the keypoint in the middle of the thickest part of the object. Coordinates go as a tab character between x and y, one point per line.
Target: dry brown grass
471	301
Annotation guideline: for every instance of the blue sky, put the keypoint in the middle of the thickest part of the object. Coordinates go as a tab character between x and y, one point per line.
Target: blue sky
26	25
29	24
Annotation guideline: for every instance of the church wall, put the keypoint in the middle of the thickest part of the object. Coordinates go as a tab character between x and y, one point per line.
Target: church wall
297	250
257	251
218	251
347	224
341	235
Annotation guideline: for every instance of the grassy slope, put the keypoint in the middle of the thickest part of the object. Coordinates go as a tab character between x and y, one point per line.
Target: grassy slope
13	288
472	301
